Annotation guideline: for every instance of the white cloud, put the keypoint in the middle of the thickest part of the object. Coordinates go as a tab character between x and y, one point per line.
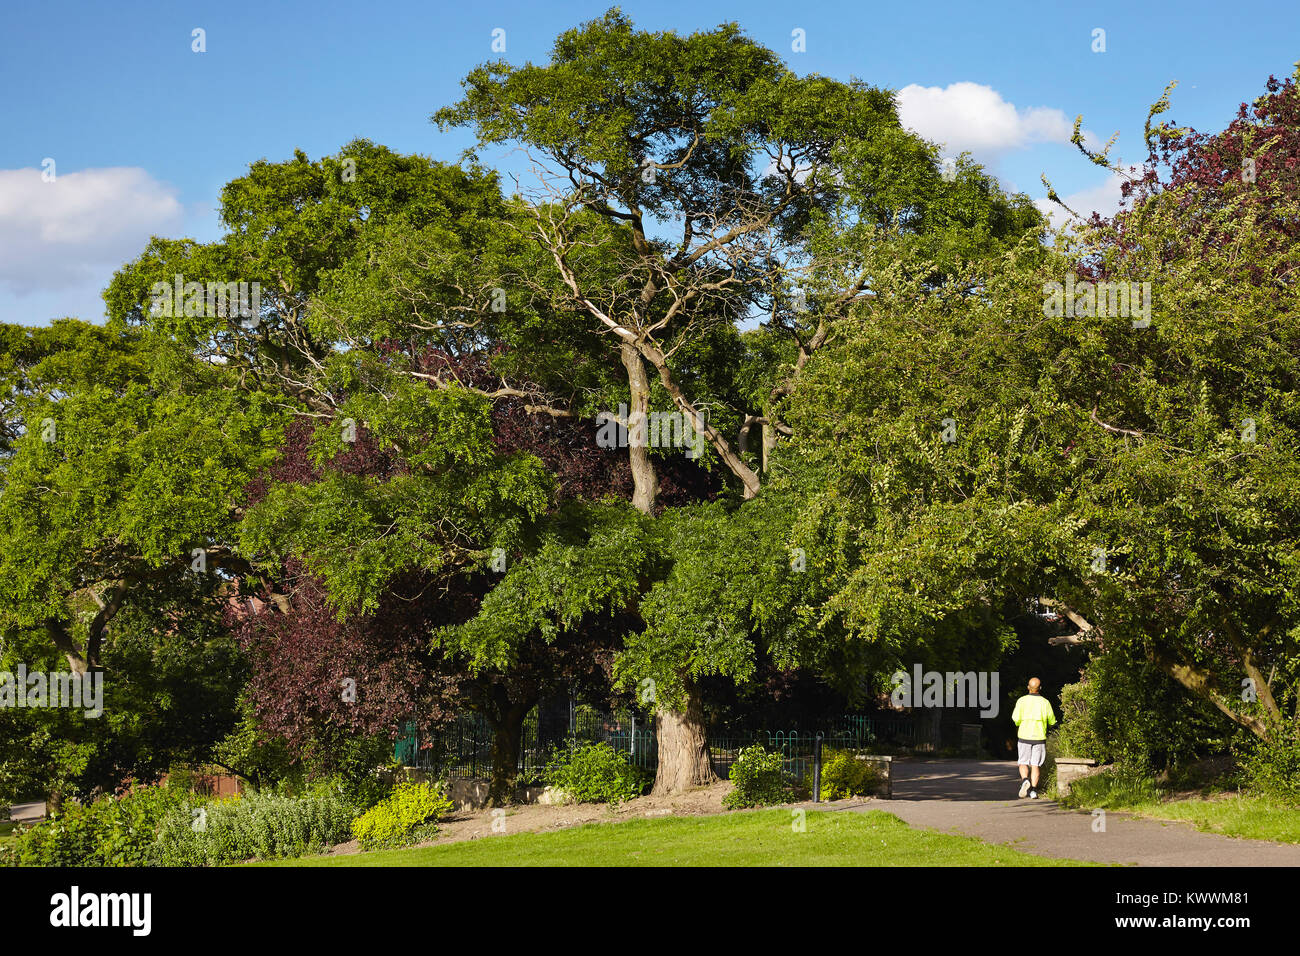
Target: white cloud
77	229
1103	198
970	116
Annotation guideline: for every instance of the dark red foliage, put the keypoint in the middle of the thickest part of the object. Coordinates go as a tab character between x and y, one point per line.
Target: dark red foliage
1209	170
304	660
362	457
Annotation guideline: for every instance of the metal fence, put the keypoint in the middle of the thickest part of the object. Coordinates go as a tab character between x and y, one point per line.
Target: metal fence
464	748
798	746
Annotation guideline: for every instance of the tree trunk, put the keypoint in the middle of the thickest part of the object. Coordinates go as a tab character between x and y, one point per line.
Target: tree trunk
726	454
507	733
645	484
683	749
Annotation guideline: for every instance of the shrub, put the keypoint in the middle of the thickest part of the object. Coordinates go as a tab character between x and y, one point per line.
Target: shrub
844	775
112	831
758	779
1075	735
255	825
595	773
409	815
1126	711
1271	768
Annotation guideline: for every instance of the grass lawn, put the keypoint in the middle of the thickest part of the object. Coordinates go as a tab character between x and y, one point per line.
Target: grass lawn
1253	818
1246	816
761	838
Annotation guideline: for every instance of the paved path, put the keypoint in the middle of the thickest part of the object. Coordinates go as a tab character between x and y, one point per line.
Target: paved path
978	798
27	812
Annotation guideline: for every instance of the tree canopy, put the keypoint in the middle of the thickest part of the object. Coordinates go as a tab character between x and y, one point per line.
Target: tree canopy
866	412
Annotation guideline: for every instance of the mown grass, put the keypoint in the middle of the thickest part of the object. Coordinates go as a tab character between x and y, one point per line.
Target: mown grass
761	838
1246	816
1252	818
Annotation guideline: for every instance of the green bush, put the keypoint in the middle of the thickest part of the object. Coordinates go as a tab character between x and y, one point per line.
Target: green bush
1271	768
111	831
1075	735
409	815
255	825
595	773
758	779
844	776
1125	710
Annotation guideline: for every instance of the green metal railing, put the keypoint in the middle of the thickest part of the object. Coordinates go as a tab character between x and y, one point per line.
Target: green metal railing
464	748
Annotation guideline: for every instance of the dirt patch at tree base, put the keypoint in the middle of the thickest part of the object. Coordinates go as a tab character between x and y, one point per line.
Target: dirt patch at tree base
541	818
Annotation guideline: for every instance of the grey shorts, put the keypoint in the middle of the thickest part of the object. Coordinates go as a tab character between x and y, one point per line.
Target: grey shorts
1031	755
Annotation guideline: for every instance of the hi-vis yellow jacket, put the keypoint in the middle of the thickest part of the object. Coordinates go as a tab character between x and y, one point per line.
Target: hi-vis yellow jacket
1032	716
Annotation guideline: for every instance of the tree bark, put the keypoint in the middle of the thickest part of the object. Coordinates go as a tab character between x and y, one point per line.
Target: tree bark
77	659
749	479
684	761
1201	683
507	732
645	483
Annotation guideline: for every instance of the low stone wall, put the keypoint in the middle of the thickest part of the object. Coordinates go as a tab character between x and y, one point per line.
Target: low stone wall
471	793
885	767
1070	769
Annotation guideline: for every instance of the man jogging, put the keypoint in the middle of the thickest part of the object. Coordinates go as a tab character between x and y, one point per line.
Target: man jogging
1032	716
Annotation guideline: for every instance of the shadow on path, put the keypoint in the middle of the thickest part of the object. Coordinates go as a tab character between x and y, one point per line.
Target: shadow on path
955	780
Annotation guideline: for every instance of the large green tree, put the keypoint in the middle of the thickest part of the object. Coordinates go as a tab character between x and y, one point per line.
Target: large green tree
424	447
737	193
1127	461
121	486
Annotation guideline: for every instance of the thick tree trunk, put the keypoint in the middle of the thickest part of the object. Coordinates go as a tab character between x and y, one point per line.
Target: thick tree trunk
507	732
645	484
683	746
684	761
78	661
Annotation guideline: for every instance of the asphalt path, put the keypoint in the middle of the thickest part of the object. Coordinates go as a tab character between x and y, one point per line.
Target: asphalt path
979	798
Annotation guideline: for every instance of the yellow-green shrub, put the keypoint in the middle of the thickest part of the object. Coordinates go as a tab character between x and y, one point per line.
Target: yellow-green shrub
409	815
844	775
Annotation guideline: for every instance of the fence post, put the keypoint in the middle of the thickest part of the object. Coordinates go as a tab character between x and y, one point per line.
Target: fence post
817	769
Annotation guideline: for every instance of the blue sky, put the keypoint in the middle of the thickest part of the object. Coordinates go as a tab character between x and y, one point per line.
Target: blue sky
144	131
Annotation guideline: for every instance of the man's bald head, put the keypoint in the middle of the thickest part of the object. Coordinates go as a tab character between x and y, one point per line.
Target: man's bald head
1034	685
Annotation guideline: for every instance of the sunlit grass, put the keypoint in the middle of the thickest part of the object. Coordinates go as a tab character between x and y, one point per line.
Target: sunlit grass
1241	815
763	838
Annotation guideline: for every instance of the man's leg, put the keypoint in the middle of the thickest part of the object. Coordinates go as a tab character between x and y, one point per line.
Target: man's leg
1037	756
1023	763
